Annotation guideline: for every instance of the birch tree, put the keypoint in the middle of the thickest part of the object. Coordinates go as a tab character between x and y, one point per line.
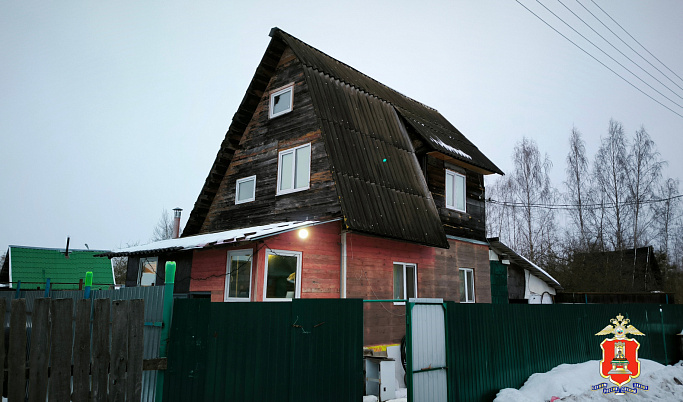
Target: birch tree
610	173
666	213
577	184
164	227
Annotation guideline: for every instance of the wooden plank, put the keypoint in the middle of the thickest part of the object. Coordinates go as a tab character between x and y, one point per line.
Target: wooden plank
16	356
81	368
100	354
40	351
3	311
119	350
62	341
136	325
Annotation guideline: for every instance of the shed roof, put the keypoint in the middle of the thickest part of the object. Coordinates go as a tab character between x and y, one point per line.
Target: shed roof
500	248
33	266
212	239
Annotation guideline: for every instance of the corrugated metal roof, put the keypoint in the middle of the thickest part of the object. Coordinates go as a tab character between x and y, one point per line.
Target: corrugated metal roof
427	121
213	239
36	265
500	248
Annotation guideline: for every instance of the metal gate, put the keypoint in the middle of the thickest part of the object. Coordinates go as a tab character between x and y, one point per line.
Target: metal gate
427	373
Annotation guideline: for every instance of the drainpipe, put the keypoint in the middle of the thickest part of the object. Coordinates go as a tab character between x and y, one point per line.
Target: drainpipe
176	222
342	273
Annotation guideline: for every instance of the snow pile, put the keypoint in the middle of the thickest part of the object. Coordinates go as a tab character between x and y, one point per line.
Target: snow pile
572	382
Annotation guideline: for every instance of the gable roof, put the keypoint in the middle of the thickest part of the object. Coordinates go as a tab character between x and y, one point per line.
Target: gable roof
380	185
33	266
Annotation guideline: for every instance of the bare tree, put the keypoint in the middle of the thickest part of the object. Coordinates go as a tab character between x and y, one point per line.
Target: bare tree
120	265
666	214
577	184
645	170
610	172
532	189
164	228
2	259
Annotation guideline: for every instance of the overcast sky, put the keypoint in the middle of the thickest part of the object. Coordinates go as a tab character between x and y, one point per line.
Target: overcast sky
111	112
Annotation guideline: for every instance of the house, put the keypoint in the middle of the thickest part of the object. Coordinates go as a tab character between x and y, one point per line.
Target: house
33	266
330	184
515	279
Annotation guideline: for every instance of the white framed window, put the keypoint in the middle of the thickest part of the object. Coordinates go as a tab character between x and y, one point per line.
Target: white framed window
147	273
245	190
455	190
405	281
466	285
281	101
282	275
238	276
294	169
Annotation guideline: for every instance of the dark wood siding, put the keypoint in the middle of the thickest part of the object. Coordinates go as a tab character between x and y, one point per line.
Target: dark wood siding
257	155
470	224
183	262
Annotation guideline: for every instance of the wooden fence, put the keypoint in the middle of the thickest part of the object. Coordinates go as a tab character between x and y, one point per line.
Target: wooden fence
104	363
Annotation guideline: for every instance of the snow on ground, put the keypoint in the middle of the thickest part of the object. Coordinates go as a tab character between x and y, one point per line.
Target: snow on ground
572	382
401	396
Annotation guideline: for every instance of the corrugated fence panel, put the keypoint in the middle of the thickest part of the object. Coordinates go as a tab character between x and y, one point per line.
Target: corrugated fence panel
306	350
496	346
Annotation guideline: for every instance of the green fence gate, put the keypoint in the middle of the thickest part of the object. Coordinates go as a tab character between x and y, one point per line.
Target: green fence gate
304	350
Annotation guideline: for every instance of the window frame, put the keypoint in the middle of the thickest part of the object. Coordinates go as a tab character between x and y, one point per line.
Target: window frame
405	287
141	272
297	284
471	272
279	169
453	174
237	189
280	91
226	291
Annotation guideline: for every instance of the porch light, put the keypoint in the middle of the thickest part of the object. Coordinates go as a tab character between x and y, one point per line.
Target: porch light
303	233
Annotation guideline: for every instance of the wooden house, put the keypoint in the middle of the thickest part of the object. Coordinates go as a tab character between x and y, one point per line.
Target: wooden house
330	184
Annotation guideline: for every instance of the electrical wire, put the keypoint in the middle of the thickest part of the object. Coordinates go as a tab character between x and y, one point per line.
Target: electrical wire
603	64
576	206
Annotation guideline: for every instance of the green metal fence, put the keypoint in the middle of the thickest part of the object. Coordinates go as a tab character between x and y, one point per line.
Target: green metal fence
306	350
496	346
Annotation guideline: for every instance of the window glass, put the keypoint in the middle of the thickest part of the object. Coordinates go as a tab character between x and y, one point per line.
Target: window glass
398	281
286	171
281	102
466	285
282	278
455	190
303	166
245	190
238	281
410	281
148	271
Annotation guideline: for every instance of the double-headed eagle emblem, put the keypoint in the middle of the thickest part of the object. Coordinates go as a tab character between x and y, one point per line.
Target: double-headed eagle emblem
620	327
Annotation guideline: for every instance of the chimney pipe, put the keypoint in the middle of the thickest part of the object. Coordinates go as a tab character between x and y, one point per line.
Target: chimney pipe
176	222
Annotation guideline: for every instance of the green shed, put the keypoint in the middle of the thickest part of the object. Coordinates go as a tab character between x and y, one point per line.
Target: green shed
33	266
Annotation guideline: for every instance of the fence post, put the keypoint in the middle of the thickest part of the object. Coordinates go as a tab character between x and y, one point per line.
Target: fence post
88	284
47	288
16	296
165	323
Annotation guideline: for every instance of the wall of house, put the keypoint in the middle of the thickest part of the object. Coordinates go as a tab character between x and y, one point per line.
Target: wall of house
516	283
320	263
472	223
370	276
183	262
257	155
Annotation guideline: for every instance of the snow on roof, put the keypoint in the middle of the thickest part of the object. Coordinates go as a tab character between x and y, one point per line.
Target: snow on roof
225	237
450	148
500	248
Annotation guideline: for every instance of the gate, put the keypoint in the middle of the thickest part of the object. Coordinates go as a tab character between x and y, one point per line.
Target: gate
427	371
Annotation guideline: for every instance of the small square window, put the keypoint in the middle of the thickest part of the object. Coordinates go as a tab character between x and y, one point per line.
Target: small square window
246	190
466	285
455	191
294	170
281	101
405	281
147	274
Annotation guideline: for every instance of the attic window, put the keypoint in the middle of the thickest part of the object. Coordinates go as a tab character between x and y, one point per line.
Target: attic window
246	190
281	101
294	170
455	191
